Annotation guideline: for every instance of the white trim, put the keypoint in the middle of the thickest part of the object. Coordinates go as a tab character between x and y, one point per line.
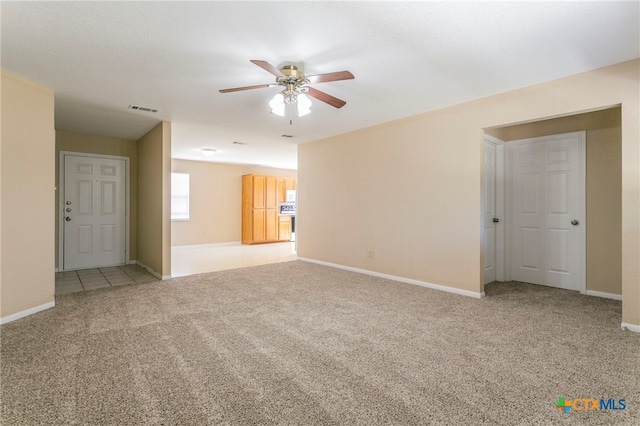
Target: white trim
132	262
127	196
501	211
205	245
500	190
396	278
492	139
630	327
508	188
152	272
27	312
604	295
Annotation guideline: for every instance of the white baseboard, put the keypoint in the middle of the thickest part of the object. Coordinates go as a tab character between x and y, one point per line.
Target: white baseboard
132	262
206	245
152	272
605	295
630	327
27	312
396	278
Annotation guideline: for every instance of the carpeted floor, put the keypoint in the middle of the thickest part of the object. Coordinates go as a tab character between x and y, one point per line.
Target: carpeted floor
298	343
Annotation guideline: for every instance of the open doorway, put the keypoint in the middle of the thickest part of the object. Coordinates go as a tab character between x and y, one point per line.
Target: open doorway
603	207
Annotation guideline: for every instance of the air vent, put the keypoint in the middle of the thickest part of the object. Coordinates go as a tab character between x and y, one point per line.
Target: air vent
286	136
143	109
239	143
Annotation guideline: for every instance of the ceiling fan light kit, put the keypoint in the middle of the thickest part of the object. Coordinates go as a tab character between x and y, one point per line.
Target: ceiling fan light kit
296	89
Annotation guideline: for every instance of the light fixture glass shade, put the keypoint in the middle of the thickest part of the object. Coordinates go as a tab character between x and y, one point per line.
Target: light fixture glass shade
304	105
277	105
208	152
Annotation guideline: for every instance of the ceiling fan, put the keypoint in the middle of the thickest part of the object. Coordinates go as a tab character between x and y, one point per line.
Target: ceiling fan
295	85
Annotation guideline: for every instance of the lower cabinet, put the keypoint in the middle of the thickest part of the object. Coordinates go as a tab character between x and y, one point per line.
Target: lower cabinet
264	225
259	219
284	228
272	225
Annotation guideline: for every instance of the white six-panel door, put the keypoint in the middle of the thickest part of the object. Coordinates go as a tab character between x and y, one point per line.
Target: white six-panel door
547	201
93	211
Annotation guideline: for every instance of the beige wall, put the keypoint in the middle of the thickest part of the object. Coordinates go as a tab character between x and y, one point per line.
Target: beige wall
430	165
215	201
79	142
154	208
27	176
603	188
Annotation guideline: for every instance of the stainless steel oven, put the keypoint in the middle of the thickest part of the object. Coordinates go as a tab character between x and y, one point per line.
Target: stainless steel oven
288	209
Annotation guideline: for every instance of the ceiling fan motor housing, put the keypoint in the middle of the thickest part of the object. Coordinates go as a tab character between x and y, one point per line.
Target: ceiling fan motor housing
292	71
293	82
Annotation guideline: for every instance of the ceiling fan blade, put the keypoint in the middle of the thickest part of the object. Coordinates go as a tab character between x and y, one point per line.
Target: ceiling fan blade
238	89
268	67
326	98
332	76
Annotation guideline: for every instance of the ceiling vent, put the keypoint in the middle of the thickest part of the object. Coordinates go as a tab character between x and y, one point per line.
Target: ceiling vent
286	136
239	143
143	109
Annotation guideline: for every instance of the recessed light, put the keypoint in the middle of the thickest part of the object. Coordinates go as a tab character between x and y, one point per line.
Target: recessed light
208	152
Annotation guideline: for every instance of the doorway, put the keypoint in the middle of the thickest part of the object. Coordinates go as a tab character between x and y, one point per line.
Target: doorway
534	214
603	183
93	211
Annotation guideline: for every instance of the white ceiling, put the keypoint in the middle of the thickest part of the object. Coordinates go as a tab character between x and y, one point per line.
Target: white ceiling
407	58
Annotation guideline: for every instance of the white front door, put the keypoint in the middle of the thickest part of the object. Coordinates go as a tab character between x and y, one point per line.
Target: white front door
93	211
547	196
489	212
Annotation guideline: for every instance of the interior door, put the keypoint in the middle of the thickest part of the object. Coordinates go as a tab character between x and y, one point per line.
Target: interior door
94	212
547	196
489	212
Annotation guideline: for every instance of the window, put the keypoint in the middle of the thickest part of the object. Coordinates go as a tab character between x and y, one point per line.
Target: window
179	196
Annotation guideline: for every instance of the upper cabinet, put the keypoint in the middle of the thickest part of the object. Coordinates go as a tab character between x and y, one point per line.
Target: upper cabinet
282	185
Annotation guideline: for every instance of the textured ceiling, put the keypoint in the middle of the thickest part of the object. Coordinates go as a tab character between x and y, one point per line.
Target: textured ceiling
407	58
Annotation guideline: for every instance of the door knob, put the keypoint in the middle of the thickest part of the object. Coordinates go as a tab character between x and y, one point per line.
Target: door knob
67	210
574	222
67	218
68	203
496	220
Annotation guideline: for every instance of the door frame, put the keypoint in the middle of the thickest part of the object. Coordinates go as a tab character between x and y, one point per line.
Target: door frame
61	197
500	248
582	217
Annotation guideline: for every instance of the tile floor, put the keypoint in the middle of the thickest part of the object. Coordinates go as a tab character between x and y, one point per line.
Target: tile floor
185	260
90	279
197	259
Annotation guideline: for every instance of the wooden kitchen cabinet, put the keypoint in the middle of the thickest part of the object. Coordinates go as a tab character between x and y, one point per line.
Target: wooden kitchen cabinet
271	198
258	190
281	190
284	228
282	185
260	217
271	228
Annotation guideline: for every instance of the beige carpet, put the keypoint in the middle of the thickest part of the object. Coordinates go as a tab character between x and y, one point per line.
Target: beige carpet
298	343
